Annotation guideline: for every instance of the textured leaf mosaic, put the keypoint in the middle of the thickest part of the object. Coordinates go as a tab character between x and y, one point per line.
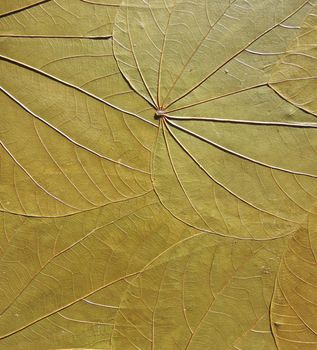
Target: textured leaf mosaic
158	174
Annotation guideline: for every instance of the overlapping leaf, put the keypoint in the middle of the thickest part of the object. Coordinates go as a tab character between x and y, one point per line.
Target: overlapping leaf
69	129
196	155
294	305
295	76
184	104
66	265
201	294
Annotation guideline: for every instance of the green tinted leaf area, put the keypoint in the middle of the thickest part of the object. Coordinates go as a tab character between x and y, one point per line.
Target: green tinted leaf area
158	175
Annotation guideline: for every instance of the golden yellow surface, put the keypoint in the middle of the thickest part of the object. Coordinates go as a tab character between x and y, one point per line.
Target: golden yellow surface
158	175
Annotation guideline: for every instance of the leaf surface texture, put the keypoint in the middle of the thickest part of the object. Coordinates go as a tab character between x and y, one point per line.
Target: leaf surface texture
158	175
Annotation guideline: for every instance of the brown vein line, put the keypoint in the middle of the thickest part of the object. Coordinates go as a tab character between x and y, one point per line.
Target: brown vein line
23	8
193	53
235	55
33	180
47	75
228	150
31	36
20	104
243	121
223	186
219	97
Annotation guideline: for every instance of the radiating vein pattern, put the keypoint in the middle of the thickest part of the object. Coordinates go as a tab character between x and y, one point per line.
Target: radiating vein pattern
157	168
205	73
228	206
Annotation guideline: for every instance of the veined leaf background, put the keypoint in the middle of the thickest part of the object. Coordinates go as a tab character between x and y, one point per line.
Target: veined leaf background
158	174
